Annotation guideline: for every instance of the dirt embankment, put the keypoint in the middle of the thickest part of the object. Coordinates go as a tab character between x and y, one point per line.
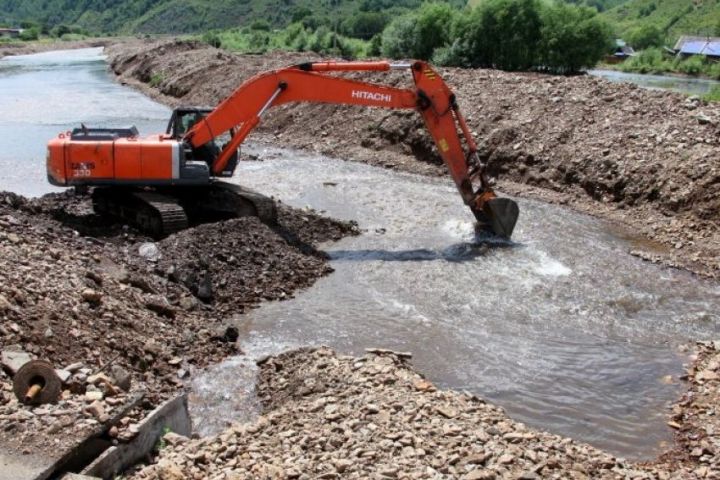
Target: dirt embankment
646	159
93	297
329	416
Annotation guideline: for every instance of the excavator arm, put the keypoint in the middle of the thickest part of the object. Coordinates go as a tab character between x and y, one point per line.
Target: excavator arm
308	82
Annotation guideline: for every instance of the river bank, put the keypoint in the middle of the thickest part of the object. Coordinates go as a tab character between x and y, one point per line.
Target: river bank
122	316
331	416
642	159
8	49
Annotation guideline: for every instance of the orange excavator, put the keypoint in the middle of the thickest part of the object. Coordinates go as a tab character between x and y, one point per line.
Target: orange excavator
160	181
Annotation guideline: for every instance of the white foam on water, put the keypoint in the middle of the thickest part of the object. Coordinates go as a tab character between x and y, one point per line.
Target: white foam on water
550	267
459	229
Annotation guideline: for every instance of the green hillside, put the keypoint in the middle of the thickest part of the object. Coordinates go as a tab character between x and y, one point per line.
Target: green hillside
186	16
672	17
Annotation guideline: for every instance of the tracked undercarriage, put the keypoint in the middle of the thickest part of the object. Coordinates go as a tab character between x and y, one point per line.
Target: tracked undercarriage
160	212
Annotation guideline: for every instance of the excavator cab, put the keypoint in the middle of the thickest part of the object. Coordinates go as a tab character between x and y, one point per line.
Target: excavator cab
185	118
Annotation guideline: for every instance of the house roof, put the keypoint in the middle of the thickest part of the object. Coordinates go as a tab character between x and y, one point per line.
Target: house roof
699	46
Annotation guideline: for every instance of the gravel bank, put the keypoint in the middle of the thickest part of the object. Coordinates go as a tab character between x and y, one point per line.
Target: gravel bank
646	160
330	416
92	297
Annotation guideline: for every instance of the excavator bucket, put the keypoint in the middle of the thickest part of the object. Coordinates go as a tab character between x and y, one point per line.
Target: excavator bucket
500	215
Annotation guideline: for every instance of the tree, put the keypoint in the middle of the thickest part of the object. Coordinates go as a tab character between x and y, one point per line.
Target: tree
646	36
398	39
572	38
364	25
501	34
418	34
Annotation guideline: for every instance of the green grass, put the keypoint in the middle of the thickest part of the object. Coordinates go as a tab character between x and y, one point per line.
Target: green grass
655	60
294	38
713	95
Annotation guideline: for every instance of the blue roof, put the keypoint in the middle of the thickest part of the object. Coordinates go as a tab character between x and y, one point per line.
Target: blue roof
701	48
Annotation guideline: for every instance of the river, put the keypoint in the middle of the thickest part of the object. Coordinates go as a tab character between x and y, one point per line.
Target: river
676	83
562	327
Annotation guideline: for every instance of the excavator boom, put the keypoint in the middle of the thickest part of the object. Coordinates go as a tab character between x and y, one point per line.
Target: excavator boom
161	181
309	82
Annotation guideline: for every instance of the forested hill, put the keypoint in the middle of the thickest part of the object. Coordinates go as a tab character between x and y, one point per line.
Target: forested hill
184	16
667	18
671	17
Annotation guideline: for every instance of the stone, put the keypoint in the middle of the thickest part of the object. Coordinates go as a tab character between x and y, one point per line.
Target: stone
12	360
703	119
506	459
384	351
97	410
63	375
5	304
149	251
227	334
423	386
707	375
168	470
529	476
160	305
93	395
99	379
342	465
174	439
74	367
479	474
121	377
447	412
93	297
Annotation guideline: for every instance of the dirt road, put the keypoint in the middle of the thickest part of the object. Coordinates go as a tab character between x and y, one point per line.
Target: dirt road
645	159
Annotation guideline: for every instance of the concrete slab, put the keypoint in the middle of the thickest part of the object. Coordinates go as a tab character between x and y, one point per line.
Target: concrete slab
22	467
172	415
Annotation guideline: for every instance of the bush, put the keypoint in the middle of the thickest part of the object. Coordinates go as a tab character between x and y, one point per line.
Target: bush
212	39
651	60
713	95
30	34
646	36
713	71
692	66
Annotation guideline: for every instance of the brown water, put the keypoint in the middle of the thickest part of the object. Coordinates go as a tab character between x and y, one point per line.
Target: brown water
562	327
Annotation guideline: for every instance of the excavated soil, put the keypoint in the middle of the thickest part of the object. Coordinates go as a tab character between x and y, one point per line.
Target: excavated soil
93	297
330	416
645	159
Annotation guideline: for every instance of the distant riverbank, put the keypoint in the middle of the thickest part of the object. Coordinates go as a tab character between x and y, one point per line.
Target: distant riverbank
26	48
689	85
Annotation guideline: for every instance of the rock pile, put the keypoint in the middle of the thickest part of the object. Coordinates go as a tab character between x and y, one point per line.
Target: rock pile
330	416
76	291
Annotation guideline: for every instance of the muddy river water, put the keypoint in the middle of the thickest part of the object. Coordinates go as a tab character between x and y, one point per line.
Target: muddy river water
561	327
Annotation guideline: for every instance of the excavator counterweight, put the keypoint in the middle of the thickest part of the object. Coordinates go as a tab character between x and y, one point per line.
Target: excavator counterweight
160	182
